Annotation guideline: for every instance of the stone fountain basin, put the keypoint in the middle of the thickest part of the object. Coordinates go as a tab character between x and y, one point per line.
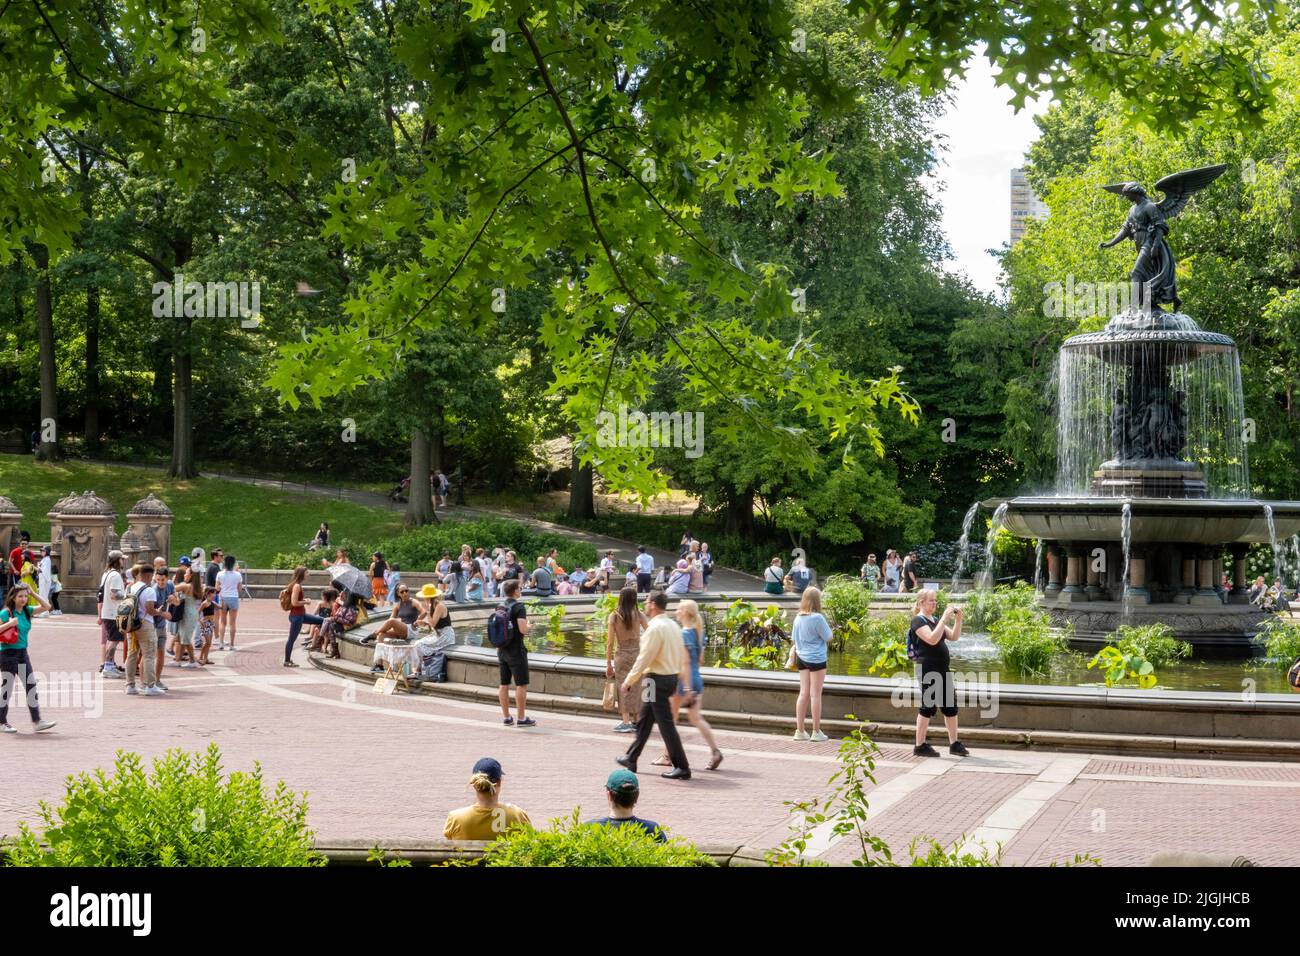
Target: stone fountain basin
1154	520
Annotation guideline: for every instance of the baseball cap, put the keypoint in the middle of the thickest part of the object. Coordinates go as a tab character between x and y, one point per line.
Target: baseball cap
490	766
622	781
184	560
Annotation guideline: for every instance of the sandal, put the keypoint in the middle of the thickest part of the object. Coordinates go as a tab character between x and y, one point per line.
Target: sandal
662	761
716	761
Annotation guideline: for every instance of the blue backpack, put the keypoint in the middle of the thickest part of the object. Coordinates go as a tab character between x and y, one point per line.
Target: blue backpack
498	626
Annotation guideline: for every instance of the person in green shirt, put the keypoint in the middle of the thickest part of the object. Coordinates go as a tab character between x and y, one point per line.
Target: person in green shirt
870	573
15	664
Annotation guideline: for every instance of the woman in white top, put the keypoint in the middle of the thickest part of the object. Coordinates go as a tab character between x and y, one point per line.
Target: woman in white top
229	583
44	577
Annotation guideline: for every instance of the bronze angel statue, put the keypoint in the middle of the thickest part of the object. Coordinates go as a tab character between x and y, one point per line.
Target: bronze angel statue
1147	225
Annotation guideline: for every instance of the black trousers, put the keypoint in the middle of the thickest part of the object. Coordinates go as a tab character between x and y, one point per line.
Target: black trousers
657	710
16	670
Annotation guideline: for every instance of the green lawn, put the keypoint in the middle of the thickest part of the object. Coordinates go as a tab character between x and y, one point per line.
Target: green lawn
251	523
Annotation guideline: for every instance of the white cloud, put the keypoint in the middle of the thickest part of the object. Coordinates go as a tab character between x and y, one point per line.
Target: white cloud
984	139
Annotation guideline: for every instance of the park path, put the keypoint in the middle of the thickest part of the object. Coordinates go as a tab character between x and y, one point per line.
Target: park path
386	768
722	579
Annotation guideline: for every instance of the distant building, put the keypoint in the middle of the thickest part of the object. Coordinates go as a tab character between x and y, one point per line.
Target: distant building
1024	205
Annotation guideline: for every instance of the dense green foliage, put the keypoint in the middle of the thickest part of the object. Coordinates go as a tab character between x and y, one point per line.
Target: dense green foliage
1025	640
1281	642
984	607
185	812
1156	643
571	843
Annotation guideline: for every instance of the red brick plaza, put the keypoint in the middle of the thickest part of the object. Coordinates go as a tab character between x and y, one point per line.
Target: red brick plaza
386	769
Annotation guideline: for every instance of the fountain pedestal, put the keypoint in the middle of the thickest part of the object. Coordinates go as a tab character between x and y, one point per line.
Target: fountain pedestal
1149	479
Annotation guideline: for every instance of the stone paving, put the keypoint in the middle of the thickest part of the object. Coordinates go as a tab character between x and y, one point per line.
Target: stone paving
387	768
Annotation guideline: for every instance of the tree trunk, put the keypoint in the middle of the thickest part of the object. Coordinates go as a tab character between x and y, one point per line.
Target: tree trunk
419	506
582	491
740	514
92	371
182	465
47	450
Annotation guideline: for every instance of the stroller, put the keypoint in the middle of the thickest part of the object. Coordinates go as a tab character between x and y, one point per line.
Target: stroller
399	492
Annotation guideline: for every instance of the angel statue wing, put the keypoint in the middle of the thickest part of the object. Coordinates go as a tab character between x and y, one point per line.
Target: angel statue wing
1179	187
1117	188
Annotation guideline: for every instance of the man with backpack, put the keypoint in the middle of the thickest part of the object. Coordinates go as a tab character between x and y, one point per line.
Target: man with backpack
506	629
135	618
111	590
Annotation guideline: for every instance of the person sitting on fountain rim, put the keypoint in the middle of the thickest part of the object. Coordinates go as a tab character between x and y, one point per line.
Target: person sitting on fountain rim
927	644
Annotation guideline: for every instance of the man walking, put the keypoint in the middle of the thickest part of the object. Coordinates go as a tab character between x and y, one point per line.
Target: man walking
662	662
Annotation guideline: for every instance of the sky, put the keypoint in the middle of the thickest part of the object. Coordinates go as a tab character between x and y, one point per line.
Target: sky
985	139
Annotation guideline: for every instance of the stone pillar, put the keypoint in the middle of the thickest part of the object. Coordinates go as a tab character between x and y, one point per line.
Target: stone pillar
1075	574
85	525
1240	593
1136	590
1219	589
1055	570
151	521
1093	590
1184	595
1205	593
11	520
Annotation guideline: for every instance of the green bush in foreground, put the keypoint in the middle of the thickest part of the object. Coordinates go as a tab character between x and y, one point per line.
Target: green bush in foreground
183	813
1156	643
1281	642
571	843
1025	640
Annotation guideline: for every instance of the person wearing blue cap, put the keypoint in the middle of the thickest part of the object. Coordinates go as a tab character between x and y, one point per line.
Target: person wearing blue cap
623	789
487	817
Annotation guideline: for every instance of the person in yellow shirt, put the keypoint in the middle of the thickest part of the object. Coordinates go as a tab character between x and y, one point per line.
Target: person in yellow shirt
487	818
661	662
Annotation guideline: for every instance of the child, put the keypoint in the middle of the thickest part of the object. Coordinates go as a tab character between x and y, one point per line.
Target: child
564	587
55	587
207	630
394	578
630	580
324	609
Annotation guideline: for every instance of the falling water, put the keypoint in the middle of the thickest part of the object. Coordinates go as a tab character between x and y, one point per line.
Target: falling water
1038	567
1294	566
995	525
963	543
1272	540
1199	374
1126	541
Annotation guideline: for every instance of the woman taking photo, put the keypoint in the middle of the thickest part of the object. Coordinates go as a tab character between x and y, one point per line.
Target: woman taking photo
811	635
927	641
622	644
15	664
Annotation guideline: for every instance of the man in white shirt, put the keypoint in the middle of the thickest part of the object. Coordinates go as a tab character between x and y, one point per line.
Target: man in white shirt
645	569
144	641
110	636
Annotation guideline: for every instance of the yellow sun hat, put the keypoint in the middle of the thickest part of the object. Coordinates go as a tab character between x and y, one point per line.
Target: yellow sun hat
430	591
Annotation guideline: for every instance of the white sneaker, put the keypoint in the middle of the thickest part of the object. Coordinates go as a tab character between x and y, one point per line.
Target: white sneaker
131	690
818	736
155	691
57	613
45	725
160	685
6	729
801	735
188	665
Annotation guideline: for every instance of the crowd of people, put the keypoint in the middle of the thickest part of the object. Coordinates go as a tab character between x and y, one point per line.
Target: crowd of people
898	575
